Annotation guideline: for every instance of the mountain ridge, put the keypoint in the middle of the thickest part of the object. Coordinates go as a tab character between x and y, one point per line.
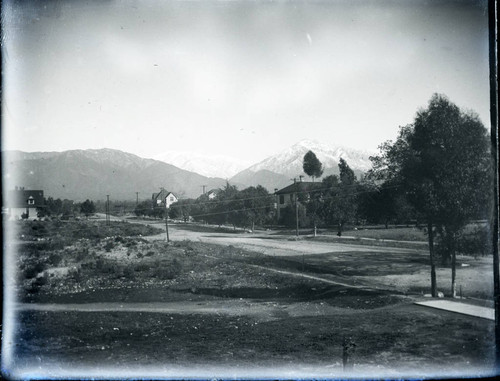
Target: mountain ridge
94	173
288	163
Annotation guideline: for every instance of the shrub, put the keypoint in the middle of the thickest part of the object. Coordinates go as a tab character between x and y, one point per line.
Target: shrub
477	242
166	271
75	274
128	272
32	270
106	266
54	259
83	254
142	267
37	284
108	246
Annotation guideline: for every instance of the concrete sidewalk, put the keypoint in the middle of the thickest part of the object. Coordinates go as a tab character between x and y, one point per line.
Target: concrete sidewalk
461	308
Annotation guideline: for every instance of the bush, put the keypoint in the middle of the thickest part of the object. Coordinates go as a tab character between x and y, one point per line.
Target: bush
129	272
142	267
54	259
477	242
164	271
108	246
37	284
83	254
32	270
75	274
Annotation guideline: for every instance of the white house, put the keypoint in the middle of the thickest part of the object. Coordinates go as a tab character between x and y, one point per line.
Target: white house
21	203
164	199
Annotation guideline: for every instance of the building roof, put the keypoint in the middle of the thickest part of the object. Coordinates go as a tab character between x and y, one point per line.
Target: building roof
300	186
19	198
161	194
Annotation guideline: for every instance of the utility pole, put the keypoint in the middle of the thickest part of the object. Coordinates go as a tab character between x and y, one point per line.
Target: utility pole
296	216
107	210
136	198
296	210
166	225
277	206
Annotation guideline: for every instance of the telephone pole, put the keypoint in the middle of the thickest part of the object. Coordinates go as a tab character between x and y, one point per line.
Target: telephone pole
296	216
166	225
136	198
296	210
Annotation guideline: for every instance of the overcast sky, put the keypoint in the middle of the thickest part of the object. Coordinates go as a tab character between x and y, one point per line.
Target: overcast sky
239	78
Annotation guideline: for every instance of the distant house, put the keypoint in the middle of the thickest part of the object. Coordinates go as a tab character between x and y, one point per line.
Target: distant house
212	193
22	203
164	199
286	196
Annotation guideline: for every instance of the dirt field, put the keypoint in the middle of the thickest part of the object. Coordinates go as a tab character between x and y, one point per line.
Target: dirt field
238	304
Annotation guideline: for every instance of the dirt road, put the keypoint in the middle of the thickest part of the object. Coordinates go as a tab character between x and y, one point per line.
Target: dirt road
273	245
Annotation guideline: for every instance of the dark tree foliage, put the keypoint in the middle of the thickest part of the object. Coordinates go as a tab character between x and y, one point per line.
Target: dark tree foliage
181	209
443	163
311	165
340	197
144	208
288	214
257	206
246	208
87	208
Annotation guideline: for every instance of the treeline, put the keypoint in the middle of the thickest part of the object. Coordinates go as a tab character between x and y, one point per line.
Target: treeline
240	208
65	209
344	200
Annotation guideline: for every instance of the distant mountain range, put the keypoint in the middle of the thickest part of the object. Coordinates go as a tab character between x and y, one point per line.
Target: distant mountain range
95	173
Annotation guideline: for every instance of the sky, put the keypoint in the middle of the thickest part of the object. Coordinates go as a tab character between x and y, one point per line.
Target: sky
244	79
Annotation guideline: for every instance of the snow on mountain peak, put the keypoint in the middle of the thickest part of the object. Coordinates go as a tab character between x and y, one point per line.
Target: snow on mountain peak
289	161
210	166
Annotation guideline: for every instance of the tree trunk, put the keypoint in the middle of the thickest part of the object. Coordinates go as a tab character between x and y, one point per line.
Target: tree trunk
453	274
430	234
253	226
339	233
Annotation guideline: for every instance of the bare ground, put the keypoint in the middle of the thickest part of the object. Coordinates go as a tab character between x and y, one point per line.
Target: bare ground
242	302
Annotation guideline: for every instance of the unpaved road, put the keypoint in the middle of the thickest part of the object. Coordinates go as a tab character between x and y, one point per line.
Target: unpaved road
261	311
267	244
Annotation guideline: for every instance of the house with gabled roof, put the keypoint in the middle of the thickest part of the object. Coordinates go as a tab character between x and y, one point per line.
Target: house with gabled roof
212	193
286	196
163	199
21	203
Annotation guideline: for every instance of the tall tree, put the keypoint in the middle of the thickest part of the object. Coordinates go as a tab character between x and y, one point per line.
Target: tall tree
256	205
87	207
340	202
443	163
311	165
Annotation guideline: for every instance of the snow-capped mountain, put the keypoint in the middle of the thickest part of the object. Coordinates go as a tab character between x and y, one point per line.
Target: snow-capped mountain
289	161
278	169
209	166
